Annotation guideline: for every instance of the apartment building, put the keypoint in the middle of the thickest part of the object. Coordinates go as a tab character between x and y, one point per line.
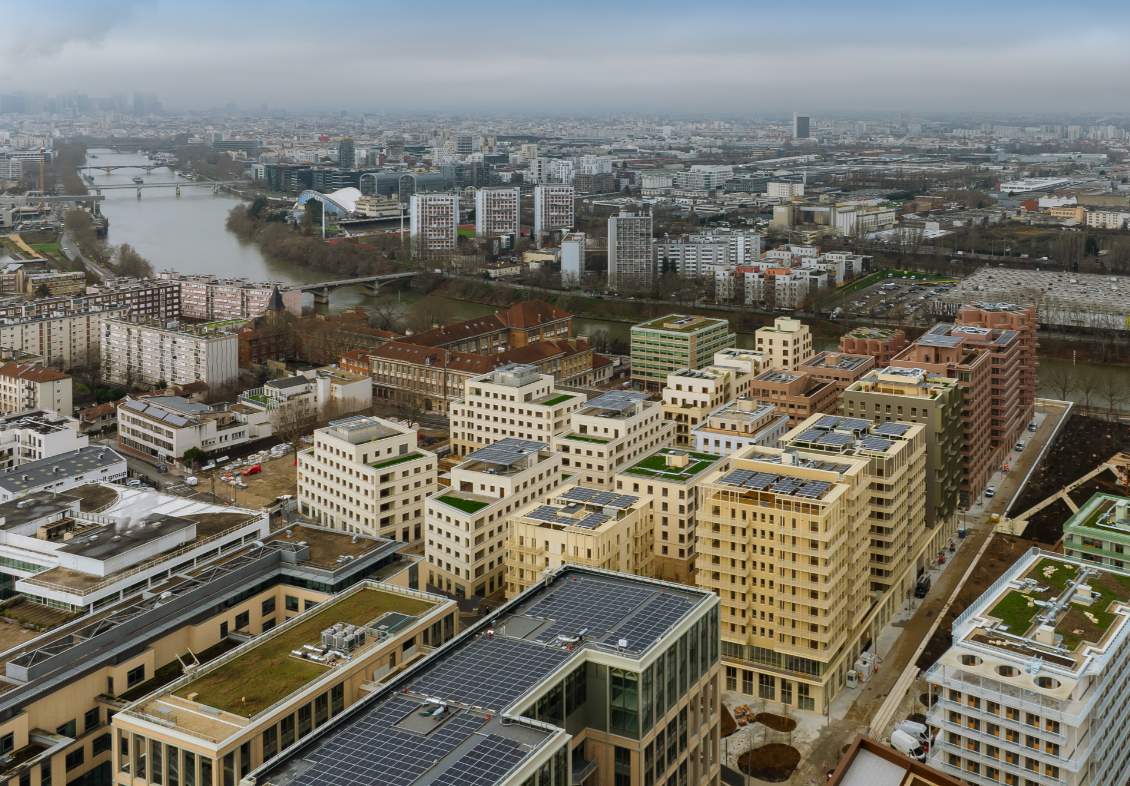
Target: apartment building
434	224
160	429
608	431
527	703
671	476
689	395
510	401
1099	532
313	393
900	395
370	629
787	344
691	258
1001	319
1109	218
365	475
737	424
631	258
580	526
881	343
24	387
54	284
465	545
553	209
1033	688
673	343
838	368
798	396
497	211
151	351
37	434
573	257
73	681
148	298
61	339
209	298
782	537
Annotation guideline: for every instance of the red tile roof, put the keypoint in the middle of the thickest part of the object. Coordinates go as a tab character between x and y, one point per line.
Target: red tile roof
531	313
34	373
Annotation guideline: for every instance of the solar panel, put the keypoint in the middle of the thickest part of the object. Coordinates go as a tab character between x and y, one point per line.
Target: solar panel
813	488
853	424
490	672
592	521
762	480
603	498
594	605
652	621
544	513
486	763
617	400
892	429
623	501
811	435
579	494
828	421
786	485
737	477
506	451
835	439
875	443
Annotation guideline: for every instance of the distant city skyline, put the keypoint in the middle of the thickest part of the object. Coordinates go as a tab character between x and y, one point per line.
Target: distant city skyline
722	57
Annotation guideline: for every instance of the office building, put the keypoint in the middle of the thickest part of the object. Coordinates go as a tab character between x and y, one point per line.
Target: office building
609	431
839	368
61	339
434	224
578	525
900	395
346	154
37	434
24	387
465	541
737	424
787	344
523	704
1032	689
63	471
573	257
671	477
673	343
631	258
152	351
800	126
553	210
366	475
497	212
783	537
160	429
881	343
514	400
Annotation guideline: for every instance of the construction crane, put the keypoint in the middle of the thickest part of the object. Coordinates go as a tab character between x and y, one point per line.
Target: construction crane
42	182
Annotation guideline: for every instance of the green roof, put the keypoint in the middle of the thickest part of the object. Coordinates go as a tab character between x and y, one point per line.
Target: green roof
465	505
397	460
655	465
657	324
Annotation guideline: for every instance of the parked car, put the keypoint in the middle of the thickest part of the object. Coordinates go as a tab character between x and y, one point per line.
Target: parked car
922	589
1019	446
190	481
133	482
990	491
254	469
1032	426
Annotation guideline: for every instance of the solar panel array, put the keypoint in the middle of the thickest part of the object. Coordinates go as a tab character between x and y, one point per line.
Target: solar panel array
490	672
506	451
828	421
603	498
652	621
853	424
835	439
761	481
372	752
813	489
892	429
787	485
592	521
811	435
594	605
876	443
737	477
159	413
579	494
486	763
544	513
617	400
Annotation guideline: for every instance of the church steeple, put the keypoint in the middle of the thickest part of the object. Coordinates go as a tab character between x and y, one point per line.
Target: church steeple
275	305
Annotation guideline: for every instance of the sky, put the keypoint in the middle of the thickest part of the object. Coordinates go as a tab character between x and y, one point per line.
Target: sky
583	57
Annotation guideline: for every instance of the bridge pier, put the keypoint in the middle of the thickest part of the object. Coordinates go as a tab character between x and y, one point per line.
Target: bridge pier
322	297
139	192
178	190
371	290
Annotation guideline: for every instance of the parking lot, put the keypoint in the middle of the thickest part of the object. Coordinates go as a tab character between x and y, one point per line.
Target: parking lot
909	291
278	477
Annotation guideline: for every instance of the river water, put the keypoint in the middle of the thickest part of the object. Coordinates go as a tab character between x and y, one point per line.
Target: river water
187	234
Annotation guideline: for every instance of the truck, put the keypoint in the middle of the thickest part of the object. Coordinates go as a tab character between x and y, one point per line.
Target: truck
907	745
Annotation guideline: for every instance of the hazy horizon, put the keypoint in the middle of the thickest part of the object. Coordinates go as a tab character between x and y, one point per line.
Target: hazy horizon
589	58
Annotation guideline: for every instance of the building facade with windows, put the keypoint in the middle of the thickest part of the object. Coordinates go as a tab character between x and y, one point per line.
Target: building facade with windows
631	256
787	344
434	224
553	209
24	387
178	354
741	422
675	342
497	211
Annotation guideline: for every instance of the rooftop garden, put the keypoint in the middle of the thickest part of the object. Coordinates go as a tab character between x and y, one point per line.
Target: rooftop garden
1104	506
171	672
397	460
553	402
578	438
1016	611
465	505
656	466
255	680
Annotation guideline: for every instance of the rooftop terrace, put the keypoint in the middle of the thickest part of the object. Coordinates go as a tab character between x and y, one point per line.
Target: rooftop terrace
673	465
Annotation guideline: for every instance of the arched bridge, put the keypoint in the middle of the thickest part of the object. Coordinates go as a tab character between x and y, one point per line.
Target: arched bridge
370	284
108	169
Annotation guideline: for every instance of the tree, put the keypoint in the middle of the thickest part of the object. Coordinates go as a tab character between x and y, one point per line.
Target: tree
429	313
1066	248
411	407
1112	389
1091	247
88	372
386	314
43	291
128	262
192	456
290	423
1087	383
1060	379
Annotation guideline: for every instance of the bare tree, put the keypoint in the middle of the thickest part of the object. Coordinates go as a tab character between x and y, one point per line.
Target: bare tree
1060	379
411	407
1112	391
387	314
128	262
1087	383
429	313
1067	248
88	372
290	423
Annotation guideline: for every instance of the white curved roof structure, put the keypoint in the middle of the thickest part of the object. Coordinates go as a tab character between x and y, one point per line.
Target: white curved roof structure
344	200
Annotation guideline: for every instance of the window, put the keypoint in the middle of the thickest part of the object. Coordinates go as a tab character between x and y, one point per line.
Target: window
76	758
242	620
268	606
337	698
804	701
786	692
309	605
190	769
68	729
172	762
90	719
286	730
321	709
155	762
7	742
45	773
731	678
102	743
135	676
767	686
747	682
305	719
270	742
229	769
291	603
624	700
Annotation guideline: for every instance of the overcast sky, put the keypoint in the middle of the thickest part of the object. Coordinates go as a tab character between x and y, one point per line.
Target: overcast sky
580	57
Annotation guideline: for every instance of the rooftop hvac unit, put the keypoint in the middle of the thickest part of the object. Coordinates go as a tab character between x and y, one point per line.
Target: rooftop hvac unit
343	637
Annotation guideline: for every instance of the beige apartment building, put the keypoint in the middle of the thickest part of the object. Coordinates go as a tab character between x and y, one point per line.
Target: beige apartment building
742	422
511	401
786	345
782	535
609	431
465	542
671	477
364	474
690	394
901	395
580	526
62	339
24	386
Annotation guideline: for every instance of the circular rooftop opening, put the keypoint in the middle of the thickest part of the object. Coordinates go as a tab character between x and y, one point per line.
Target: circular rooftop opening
1007	671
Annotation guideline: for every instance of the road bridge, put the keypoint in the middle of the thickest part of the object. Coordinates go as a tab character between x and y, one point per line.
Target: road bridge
213	184
110	168
370	285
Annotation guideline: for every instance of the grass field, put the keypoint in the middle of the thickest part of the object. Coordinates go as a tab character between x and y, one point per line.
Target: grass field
46	248
266	673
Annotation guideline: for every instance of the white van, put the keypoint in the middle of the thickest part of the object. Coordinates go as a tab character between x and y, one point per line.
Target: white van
918	731
190	481
907	745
